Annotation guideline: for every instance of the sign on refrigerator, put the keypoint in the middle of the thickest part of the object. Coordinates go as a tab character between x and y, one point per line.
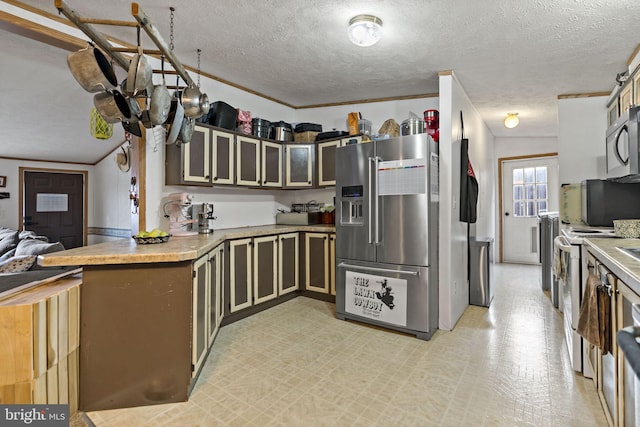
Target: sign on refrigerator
376	297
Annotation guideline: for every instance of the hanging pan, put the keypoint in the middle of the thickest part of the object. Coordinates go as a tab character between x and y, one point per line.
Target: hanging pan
160	102
92	70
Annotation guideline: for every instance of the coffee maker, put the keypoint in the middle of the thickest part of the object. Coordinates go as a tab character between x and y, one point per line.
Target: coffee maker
202	213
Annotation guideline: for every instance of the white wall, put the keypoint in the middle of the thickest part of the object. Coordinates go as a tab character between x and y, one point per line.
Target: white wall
582	126
453	288
514	147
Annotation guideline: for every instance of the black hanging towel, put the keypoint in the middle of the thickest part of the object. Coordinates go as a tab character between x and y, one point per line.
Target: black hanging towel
468	183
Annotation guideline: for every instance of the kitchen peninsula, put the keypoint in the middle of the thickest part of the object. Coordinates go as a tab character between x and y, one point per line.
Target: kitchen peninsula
149	313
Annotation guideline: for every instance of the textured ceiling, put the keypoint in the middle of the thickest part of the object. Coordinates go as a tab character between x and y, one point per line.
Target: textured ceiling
508	55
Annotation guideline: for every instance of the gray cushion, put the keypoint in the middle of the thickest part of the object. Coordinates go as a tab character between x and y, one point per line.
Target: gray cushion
27	234
8	241
8	255
4	231
37	247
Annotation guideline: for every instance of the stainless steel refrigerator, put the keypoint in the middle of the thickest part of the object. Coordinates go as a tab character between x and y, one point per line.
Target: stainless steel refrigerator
387	234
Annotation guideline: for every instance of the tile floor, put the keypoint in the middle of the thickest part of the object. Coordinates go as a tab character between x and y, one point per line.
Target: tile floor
296	365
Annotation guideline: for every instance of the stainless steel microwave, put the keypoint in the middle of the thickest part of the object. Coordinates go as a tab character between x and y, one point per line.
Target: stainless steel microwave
605	200
623	153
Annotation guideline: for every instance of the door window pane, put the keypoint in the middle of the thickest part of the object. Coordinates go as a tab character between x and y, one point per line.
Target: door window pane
531	198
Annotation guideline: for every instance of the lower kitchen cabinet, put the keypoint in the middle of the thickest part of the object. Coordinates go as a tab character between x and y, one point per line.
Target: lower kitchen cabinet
288	263
240	276
628	383
214	291
200	312
265	268
316	262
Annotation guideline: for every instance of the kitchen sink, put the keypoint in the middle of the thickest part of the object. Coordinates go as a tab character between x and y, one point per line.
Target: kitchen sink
632	252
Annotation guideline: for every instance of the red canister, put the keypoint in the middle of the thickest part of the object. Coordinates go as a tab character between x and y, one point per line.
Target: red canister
432	119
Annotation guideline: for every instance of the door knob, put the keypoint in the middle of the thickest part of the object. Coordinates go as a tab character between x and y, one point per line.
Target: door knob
506	213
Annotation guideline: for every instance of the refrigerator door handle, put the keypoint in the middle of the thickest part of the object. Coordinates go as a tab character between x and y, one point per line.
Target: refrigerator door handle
371	220
376	202
379	270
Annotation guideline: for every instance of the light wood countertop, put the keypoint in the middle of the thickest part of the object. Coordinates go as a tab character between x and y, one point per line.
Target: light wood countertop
622	265
126	251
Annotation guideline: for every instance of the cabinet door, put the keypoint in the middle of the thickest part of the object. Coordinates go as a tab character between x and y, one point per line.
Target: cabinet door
222	157
271	164
265	268
197	156
240	274
636	89
247	161
289	263
332	263
327	162
199	313
317	262
628	383
299	165
215	285
626	97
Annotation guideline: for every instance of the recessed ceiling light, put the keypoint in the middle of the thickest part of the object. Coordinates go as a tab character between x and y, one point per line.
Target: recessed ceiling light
511	120
365	30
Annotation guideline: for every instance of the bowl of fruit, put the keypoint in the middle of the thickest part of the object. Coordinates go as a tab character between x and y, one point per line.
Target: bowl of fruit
153	236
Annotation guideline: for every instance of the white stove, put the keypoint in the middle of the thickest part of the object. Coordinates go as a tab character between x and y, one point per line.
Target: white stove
569	250
575	233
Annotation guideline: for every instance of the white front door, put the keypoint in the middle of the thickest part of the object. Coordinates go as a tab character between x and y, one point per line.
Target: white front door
529	187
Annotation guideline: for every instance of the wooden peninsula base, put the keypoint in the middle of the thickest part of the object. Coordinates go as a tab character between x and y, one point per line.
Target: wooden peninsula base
135	335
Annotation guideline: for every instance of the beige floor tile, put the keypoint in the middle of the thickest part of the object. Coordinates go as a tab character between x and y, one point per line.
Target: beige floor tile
296	365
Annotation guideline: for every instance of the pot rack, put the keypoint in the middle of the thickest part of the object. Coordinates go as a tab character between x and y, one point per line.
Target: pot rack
142	20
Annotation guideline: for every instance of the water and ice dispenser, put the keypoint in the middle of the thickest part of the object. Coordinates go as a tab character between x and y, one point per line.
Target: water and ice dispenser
352	205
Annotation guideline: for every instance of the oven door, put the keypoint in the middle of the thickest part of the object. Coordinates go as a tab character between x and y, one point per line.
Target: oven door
567	266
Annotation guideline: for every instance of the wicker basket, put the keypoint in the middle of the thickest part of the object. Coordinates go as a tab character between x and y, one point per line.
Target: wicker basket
307	136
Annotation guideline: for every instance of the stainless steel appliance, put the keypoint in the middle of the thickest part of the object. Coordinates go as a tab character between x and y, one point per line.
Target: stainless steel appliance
603	201
202	213
480	288
548	223
629	343
623	147
570	254
387	234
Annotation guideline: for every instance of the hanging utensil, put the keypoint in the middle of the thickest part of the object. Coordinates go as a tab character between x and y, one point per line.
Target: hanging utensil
160	101
186	130
140	72
90	67
176	117
112	106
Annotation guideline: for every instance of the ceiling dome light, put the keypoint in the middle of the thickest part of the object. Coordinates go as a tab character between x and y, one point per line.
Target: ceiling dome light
511	121
365	30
